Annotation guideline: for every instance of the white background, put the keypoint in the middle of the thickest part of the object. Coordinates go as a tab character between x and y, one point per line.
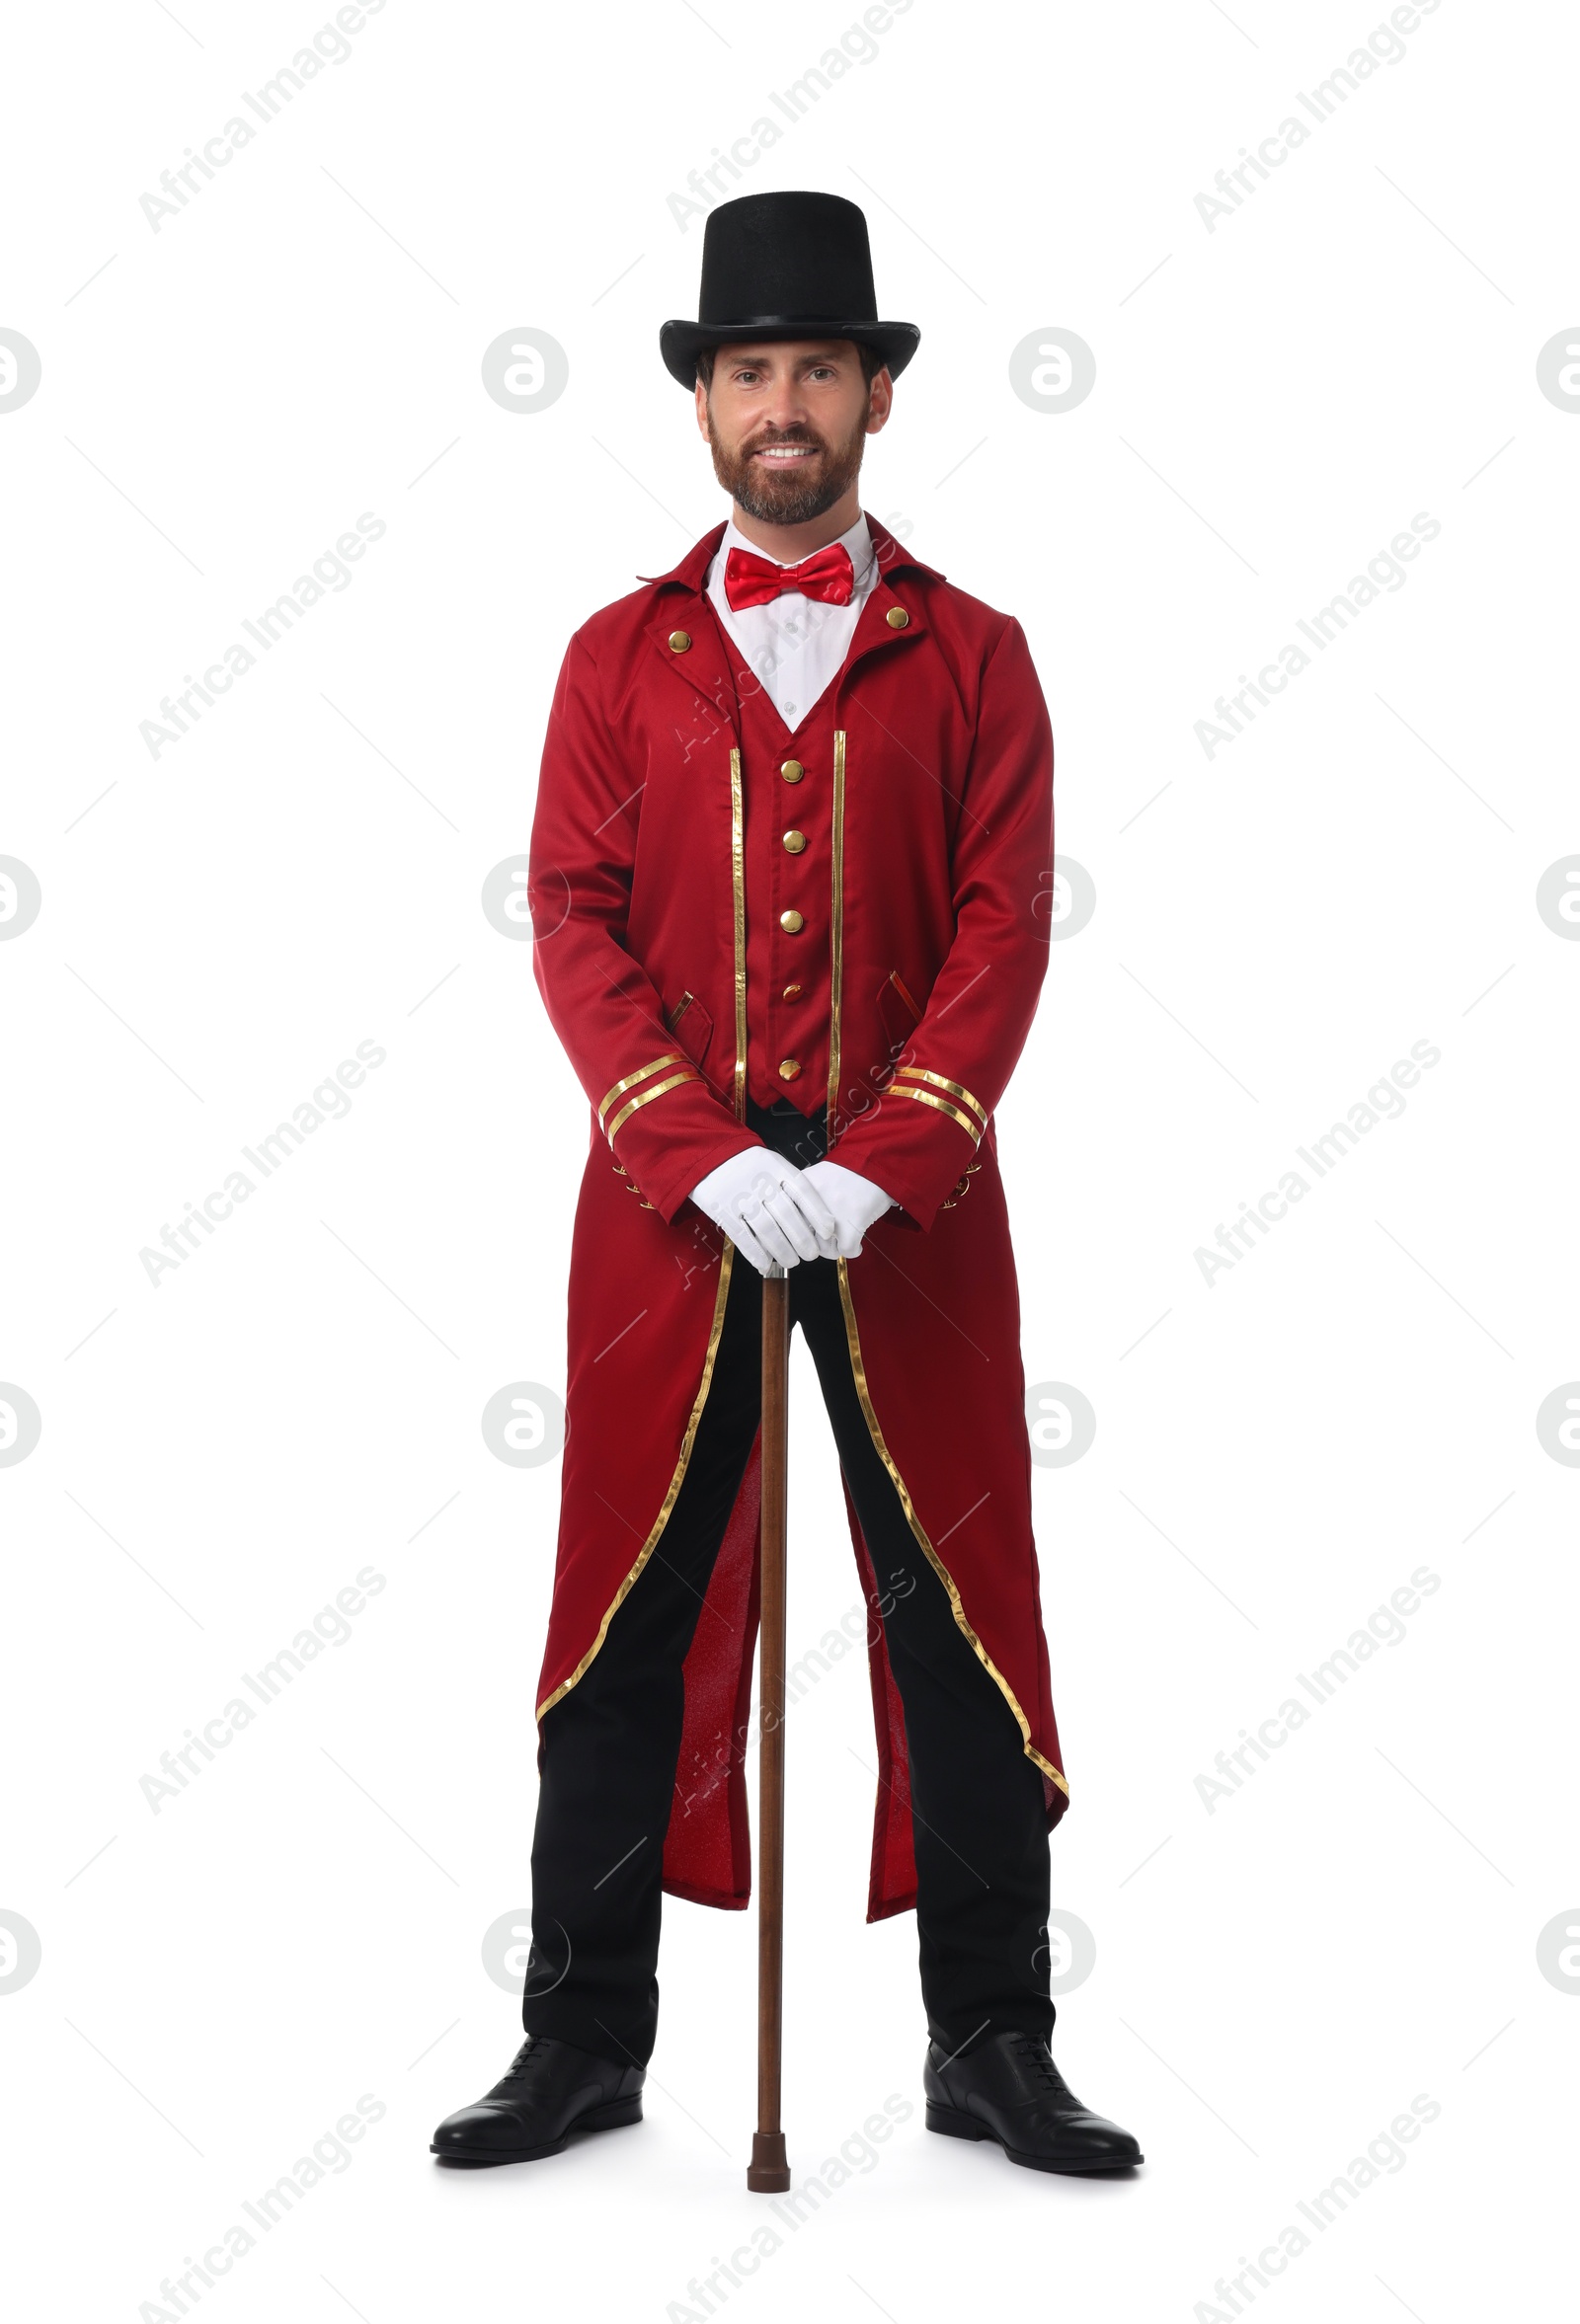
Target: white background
1275	1454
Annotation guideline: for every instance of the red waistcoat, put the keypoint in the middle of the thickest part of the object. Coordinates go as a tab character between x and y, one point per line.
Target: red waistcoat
788	798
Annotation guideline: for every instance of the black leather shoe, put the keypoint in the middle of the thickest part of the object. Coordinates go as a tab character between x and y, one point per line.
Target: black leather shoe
551	2094
1009	2089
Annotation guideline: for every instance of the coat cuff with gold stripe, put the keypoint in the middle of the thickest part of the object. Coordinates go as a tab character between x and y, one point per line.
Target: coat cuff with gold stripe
644	1096
970	1112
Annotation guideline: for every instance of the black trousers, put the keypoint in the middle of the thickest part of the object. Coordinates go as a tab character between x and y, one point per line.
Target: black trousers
610	1748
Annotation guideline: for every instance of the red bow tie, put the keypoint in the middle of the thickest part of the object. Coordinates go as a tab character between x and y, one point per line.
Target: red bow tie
826	575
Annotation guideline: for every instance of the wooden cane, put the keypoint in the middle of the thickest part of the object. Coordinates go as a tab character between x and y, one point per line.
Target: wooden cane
769	2172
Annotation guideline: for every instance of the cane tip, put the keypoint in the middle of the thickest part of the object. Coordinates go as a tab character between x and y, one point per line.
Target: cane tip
768	2172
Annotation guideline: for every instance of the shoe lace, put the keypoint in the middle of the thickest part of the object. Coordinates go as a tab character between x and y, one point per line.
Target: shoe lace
530	2054
1033	2049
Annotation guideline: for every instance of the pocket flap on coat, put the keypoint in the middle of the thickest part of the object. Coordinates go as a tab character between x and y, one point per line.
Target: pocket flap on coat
692	1027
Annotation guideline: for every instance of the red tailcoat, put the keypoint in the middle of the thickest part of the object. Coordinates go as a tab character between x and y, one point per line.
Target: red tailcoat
922	881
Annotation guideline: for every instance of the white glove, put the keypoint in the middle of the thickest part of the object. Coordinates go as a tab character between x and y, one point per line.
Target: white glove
856	1203
770	1210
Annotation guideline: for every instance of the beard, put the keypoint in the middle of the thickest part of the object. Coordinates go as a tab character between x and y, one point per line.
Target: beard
798	493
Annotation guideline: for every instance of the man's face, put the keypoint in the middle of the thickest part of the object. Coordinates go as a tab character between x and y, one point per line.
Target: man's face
786	424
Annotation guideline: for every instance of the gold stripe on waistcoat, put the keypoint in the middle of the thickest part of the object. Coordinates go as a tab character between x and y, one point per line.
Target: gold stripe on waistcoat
669	1057
738	885
837	929
675	1481
853	1339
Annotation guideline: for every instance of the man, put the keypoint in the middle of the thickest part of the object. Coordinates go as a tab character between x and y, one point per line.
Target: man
790	883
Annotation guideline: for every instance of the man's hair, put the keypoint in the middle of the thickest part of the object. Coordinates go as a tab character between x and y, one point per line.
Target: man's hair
872	362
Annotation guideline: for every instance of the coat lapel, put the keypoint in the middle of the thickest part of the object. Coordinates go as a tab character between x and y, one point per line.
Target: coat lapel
680	612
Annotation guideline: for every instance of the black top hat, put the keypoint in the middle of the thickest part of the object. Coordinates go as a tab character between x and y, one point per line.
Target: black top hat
785	265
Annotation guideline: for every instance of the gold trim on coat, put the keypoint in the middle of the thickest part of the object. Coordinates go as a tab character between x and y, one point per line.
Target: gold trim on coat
646	1096
853	1339
738	885
675	1481
853	1335
726	1261
669	1057
836	930
924	1097
956	1089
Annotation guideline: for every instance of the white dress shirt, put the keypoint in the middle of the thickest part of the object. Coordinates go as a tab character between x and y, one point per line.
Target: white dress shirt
795	645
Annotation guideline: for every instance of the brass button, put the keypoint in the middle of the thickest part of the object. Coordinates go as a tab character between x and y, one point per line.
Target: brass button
792	923
789	1067
792	770
793	992
794	842
897	617
679	641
